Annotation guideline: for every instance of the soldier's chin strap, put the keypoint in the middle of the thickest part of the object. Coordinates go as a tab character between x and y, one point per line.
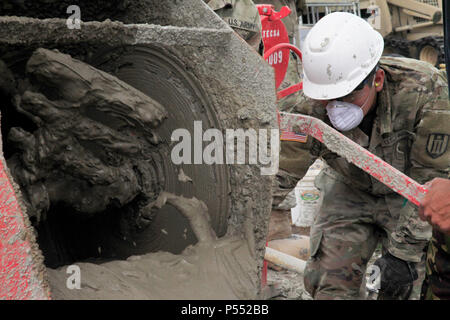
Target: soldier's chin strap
446	12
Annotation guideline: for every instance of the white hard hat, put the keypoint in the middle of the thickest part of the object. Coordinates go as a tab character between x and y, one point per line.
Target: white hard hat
338	53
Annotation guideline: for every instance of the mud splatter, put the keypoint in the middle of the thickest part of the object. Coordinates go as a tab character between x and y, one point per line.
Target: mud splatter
325	42
329	73
182	177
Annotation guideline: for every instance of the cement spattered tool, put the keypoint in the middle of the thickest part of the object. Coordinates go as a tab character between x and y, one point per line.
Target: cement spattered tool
354	153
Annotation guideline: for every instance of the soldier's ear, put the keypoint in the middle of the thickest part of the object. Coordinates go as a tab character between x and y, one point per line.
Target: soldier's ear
379	80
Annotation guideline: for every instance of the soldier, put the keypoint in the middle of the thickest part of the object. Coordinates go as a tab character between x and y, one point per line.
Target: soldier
435	208
242	16
398	109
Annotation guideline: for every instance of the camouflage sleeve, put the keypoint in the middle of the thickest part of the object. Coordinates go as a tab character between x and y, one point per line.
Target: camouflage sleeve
242	16
430	152
429	158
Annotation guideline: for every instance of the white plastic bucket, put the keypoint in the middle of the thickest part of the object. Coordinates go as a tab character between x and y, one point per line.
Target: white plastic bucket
309	200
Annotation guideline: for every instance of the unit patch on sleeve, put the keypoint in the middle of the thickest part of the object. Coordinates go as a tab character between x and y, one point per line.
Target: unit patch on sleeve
437	144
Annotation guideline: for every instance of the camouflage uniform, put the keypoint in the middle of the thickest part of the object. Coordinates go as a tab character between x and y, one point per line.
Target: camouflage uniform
242	16
437	281
410	131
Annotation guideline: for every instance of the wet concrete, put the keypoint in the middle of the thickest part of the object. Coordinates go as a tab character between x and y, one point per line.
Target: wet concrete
218	268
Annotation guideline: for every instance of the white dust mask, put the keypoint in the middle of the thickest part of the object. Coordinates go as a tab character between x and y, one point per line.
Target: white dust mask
344	116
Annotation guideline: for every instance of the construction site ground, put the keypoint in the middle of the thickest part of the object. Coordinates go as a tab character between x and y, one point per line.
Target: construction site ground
286	284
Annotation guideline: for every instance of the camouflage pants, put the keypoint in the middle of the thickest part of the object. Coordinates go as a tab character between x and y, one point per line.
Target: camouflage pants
437	281
344	236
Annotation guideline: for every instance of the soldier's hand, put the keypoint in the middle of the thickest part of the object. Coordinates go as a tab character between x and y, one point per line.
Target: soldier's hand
435	207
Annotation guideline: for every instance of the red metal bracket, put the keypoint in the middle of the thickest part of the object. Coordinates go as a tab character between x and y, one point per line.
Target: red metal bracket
269	10
296	87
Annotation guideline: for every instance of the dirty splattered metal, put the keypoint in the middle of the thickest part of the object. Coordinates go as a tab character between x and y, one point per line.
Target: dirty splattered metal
21	274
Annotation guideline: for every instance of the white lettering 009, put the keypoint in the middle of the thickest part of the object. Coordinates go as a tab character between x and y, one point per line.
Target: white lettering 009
276	57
